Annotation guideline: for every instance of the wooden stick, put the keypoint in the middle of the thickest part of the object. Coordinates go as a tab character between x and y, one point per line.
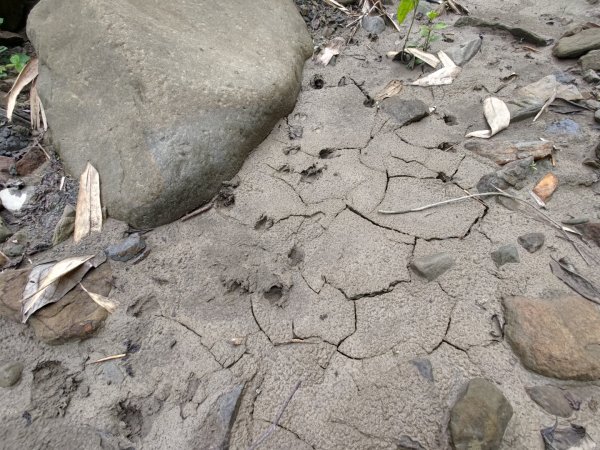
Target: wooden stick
197	212
108	358
273	426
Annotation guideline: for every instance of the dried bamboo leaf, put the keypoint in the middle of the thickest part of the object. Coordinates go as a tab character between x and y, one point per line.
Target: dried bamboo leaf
497	115
332	49
546	187
88	215
44	282
392	88
426	57
101	300
443	76
27	75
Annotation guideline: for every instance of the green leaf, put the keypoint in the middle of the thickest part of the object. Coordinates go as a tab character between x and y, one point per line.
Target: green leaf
424	30
439	26
18	60
404	8
434	37
3	48
432	15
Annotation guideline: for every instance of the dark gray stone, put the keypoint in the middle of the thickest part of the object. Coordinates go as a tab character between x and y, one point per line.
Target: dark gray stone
531	242
591	76
216	430
404	111
424	367
463	53
10	373
513	174
432	266
479	418
5	232
552	399
16	245
127	249
373	24
65	226
163	141
505	254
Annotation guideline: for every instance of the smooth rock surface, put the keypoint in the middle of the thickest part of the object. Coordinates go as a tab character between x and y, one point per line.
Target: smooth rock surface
505	254
168	98
555	337
432	266
591	60
480	417
552	399
531	242
578	44
127	249
10	373
403	111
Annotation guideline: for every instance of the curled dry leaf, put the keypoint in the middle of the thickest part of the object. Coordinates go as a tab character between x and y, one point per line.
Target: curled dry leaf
392	88
497	115
88	215
426	57
332	49
101	300
27	75
48	283
445	75
546	187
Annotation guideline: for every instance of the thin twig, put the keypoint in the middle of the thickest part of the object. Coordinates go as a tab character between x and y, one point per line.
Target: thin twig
273	426
197	212
108	358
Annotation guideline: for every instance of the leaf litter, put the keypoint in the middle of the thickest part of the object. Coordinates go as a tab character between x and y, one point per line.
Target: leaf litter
497	116
88	215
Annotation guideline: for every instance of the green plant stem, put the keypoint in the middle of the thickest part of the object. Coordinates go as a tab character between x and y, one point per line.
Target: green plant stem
411	26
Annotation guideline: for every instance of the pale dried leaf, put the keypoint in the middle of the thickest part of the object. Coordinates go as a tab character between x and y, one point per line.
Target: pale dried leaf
332	49
36	110
88	215
392	88
44	282
548	102
27	75
101	300
427	58
497	115
445	75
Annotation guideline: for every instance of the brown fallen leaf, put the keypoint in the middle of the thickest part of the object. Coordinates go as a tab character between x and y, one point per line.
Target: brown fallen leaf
27	75
546	187
101	300
333	48
392	88
497	115
88	215
44	282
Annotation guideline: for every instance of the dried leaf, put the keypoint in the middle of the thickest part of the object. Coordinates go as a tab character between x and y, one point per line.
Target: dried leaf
445	75
550	100
392	88
568	274
43	285
88	216
332	49
101	300
546	187
36	110
497	115
427	58
27	75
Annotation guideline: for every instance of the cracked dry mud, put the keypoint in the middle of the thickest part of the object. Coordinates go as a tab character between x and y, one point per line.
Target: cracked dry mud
302	279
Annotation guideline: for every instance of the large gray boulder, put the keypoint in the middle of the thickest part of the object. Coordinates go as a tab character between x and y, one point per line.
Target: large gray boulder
165	99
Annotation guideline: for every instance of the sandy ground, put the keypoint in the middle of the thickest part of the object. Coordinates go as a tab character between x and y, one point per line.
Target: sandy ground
302	280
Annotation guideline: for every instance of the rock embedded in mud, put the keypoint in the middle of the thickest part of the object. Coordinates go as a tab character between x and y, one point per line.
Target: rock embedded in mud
5	232
10	373
577	44
505	255
462	53
16	245
163	140
532	242
555	337
479	418
591	60
127	249
373	24
403	111
552	399
432	266
65	226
